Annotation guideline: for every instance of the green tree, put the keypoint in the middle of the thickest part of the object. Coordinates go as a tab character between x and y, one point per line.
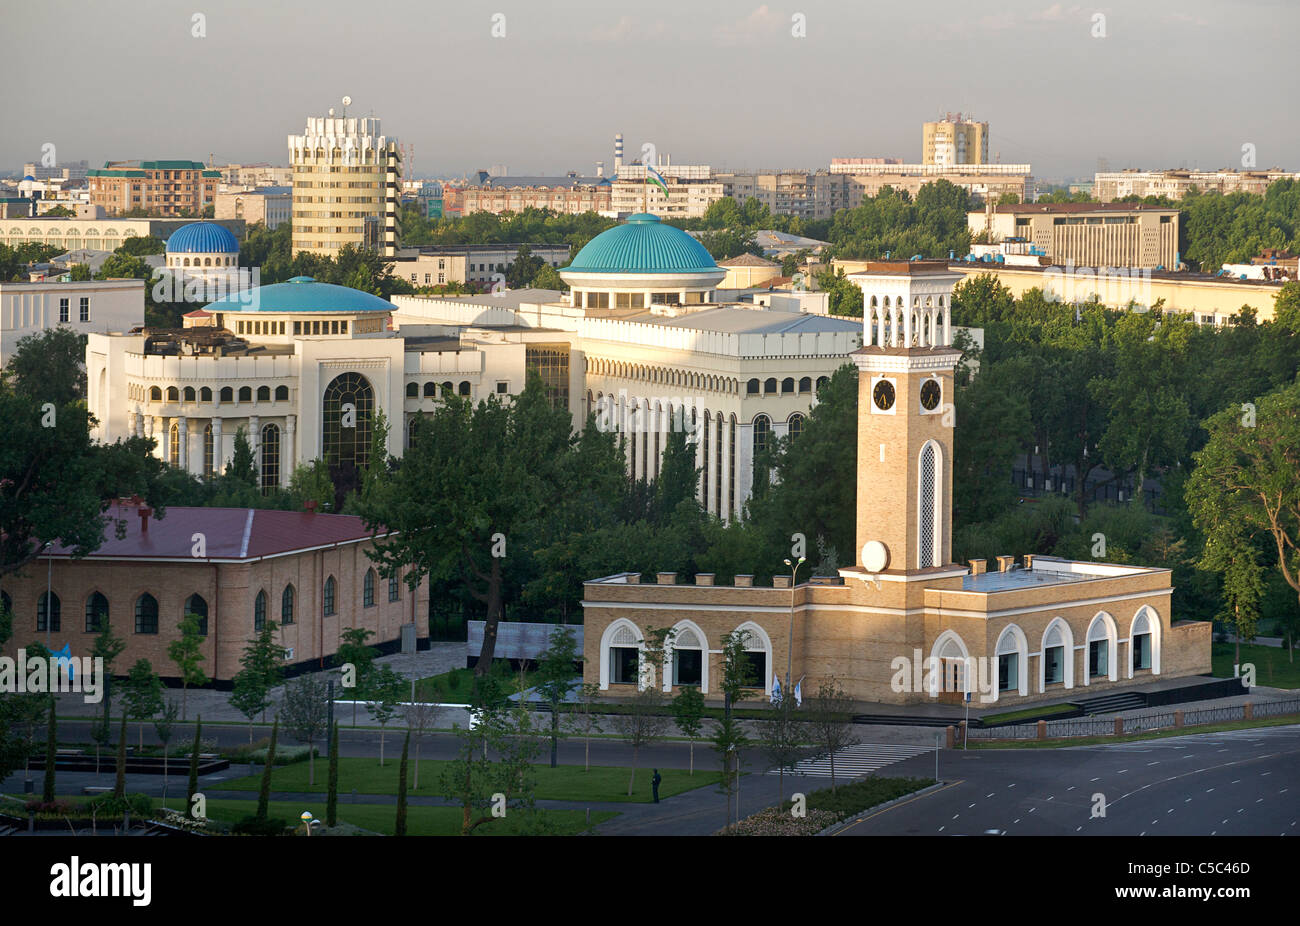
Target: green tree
79	273
399	827
187	653
729	738
241	468
143	695
49	366
119	782
354	651
555	678
192	784
163	727
141	245
306	715
688	713
383	699
264	792
781	739
585	720
830	713
261	669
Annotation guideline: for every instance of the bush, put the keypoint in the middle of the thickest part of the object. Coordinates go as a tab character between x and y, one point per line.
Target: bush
284	755
51	808
252	826
773	822
106	805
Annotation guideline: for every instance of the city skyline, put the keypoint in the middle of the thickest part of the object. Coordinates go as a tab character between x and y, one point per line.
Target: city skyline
704	90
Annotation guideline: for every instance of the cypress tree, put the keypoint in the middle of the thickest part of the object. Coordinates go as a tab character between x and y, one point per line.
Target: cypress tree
332	801
51	755
264	796
192	787
400	828
119	786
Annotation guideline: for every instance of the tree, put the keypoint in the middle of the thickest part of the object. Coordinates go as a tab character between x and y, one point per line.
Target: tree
101	731
51	754
192	785
473	780
354	651
79	273
241	470
332	779
555	668
383	697
1237	560
399	827
107	646
644	721
264	792
729	738
1246	478
780	737
830	713
141	245
187	653
306	715
164	727
688	713
421	716
262	668
584	720
143	695
49	366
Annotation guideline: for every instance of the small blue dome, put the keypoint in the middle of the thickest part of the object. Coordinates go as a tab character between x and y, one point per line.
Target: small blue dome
29	177
641	245
301	294
202	238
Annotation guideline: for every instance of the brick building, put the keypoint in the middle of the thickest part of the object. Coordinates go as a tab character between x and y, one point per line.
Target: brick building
163	188
232	567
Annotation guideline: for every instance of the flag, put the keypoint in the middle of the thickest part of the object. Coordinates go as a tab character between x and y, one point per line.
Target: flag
798	692
63	657
652	174
776	691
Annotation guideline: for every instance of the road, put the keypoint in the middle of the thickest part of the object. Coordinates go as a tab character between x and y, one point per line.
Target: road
1238	783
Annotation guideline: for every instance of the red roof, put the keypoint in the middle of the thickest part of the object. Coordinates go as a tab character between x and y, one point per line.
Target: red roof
198	313
228	533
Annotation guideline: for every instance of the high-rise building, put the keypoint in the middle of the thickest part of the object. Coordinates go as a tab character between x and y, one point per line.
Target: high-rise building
345	186
955	141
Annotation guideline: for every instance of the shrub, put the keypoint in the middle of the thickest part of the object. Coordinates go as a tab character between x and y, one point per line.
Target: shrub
252	826
51	808
284	755
106	805
773	822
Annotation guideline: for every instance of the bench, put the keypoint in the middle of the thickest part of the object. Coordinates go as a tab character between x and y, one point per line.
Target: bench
96	789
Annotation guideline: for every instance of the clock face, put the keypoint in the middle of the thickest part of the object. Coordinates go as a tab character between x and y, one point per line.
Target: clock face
883	395
930	394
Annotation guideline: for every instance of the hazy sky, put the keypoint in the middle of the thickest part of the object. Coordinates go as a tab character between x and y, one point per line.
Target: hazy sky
721	82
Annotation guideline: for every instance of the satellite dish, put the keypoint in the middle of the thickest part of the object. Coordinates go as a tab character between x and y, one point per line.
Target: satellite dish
875	556
347	101
331	110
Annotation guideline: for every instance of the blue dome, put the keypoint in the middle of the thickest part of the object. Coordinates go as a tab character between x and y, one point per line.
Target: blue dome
302	294
643	244
202	238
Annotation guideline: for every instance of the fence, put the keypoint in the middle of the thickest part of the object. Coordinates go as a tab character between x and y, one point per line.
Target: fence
1118	726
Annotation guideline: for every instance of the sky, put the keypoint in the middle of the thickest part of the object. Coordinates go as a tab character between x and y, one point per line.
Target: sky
1144	83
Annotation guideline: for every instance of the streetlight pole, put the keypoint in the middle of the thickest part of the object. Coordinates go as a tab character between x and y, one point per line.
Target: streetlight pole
789	649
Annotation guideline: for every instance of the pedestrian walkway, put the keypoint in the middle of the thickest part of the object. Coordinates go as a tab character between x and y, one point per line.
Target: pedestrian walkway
858	759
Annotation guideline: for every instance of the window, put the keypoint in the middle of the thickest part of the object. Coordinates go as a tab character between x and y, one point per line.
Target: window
174	446
197	606
146	614
286	605
928	514
208	451
49	612
327	599
348	409
245	394
1053	665
787	385
762	430
822	381
189	393
503	387
1009	672
755	669
1141	651
155	394
464	387
368	589
259	612
1097	655
752	387
805	385
769	386
173	394
227	394
85	308
270	458
205	394
623	662
281	393
412	390
63	309
394	589
796	425
96	613
263	393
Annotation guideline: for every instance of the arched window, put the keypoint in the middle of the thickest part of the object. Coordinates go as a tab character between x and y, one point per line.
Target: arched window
430	390
796	425
282	393
173	394
259	612
394	589
189	393
1101	649
623	644
263	393
227	394
208	451
327	598
270	458
751	388
146	614
174	446
805	385
205	394
822	381
1012	652
155	394
197	606
368	589
448	390
1058	655
348	409
787	385
207	261
464	387
762	431
96	613
49	612
769	386
286	605
928	514
412	390
245	394
688	657
731	469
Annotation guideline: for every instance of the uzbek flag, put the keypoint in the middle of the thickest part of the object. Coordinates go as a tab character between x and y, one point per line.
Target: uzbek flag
652	174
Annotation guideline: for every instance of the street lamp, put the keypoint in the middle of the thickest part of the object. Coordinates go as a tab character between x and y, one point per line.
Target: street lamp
789	650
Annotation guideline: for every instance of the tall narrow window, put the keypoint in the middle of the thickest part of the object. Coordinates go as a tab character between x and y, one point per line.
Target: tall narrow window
174	446
259	612
270	458
928	504
146	614
368	589
286	605
197	606
207	451
48	612
327	599
96	613
394	589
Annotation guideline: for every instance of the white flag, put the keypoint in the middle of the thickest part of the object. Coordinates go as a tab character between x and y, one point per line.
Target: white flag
798	693
776	691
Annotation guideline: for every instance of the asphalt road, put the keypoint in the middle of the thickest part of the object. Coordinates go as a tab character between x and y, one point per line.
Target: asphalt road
1238	783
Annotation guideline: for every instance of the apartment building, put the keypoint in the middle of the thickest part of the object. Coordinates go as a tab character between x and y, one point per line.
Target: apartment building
162	188
1087	234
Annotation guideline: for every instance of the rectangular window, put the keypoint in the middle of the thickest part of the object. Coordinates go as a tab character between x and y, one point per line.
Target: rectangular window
623	662
1009	672
687	667
85	308
63	309
503	387
1054	665
1141	651
1098	651
755	670
394	589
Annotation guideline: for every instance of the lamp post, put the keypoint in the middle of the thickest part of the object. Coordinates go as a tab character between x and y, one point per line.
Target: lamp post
789	649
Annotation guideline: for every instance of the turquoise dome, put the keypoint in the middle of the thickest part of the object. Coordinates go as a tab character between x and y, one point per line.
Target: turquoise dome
202	238
302	294
641	245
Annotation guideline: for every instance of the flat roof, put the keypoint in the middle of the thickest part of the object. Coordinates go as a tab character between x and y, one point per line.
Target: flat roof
732	319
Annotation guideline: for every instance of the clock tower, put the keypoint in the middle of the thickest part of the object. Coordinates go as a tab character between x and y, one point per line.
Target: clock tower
906	415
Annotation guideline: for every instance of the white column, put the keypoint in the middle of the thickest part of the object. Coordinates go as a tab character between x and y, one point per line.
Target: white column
183	458
288	452
893	325
744	464
131	422
947	324
907	326
218	456
698	437
255	444
727	502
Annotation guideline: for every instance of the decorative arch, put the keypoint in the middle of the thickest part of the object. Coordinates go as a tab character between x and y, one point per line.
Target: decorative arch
1102	629
1057	633
759	642
688	637
621	634
1013	641
1145	621
949	651
929	509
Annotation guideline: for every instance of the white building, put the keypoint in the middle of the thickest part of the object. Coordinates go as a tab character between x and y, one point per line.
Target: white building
93	306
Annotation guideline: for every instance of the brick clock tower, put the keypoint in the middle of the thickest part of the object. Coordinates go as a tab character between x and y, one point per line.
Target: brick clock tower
906	416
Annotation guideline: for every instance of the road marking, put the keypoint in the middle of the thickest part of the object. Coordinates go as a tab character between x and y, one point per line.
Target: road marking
1149	764
960	781
1094	779
856	760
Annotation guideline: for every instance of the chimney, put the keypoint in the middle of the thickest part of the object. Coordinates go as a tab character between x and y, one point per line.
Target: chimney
1005	563
704	578
144	513
977	566
744	581
311	506
780	581
666	578
1029	561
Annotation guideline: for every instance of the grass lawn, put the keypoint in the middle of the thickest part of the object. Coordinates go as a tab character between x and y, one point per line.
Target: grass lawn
1027	712
456	686
1149	735
378	818
1273	665
564	783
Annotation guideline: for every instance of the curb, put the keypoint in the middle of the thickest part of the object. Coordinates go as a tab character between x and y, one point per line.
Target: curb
860	815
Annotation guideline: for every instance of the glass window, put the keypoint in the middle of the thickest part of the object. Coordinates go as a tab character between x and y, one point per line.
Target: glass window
1009	672
85	308
259	612
368	589
270	458
286	605
551	363
1098	651
96	613
197	606
755	669
63	309
623	661
348	412
1141	651
688	667
327	599
394	589
146	614
49	612
1054	665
